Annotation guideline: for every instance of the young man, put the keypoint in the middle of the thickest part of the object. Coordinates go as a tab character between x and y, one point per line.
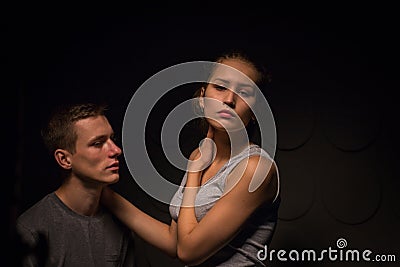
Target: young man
69	227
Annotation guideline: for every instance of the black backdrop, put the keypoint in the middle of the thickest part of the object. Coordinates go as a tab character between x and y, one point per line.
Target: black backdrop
329	58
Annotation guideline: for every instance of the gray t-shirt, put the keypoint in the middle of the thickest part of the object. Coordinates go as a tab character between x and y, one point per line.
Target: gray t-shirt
57	236
257	231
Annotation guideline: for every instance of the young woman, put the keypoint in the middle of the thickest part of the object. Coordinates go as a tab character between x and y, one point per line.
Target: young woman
225	211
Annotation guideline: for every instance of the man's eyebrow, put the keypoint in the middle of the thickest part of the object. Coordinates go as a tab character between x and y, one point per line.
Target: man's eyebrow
97	137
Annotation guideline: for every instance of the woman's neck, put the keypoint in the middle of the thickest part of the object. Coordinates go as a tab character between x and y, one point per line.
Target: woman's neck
229	145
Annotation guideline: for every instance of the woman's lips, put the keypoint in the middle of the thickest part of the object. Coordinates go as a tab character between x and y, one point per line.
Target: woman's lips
226	114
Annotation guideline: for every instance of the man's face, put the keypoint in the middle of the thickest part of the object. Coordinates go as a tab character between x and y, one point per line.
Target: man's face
95	158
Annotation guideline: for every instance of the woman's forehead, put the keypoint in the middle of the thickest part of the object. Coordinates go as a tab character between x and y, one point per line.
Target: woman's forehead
235	69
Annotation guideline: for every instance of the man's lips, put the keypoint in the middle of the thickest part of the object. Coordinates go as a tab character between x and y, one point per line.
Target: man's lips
114	166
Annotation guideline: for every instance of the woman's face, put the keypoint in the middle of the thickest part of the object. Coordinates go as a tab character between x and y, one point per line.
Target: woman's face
230	95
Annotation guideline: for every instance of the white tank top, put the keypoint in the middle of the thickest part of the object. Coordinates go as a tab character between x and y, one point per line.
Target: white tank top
257	231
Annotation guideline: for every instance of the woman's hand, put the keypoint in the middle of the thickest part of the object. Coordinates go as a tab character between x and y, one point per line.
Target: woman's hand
202	157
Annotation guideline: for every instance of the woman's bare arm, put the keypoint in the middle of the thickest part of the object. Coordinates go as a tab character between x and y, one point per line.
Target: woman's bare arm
153	231
197	241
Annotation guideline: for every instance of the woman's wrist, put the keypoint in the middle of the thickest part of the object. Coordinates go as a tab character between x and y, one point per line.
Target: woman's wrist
193	179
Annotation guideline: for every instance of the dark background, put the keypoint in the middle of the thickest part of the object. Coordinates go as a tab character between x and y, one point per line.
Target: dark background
334	78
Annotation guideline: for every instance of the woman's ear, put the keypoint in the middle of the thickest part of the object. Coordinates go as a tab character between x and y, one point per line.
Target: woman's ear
201	104
201	99
63	158
202	91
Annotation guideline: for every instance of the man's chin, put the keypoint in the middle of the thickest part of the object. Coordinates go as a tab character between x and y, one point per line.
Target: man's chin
113	179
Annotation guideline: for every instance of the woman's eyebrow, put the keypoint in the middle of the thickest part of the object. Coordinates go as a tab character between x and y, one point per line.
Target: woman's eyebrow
225	82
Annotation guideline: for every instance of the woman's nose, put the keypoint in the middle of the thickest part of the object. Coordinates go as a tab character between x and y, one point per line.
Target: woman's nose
230	98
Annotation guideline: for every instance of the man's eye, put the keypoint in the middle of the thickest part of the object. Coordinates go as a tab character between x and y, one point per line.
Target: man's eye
98	143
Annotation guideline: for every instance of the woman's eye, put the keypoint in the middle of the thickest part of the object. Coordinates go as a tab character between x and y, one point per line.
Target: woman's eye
220	88
243	93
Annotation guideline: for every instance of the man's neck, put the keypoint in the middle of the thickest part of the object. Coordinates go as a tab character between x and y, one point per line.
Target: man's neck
80	197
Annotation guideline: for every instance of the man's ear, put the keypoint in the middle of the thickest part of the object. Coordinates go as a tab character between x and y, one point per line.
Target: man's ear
63	158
